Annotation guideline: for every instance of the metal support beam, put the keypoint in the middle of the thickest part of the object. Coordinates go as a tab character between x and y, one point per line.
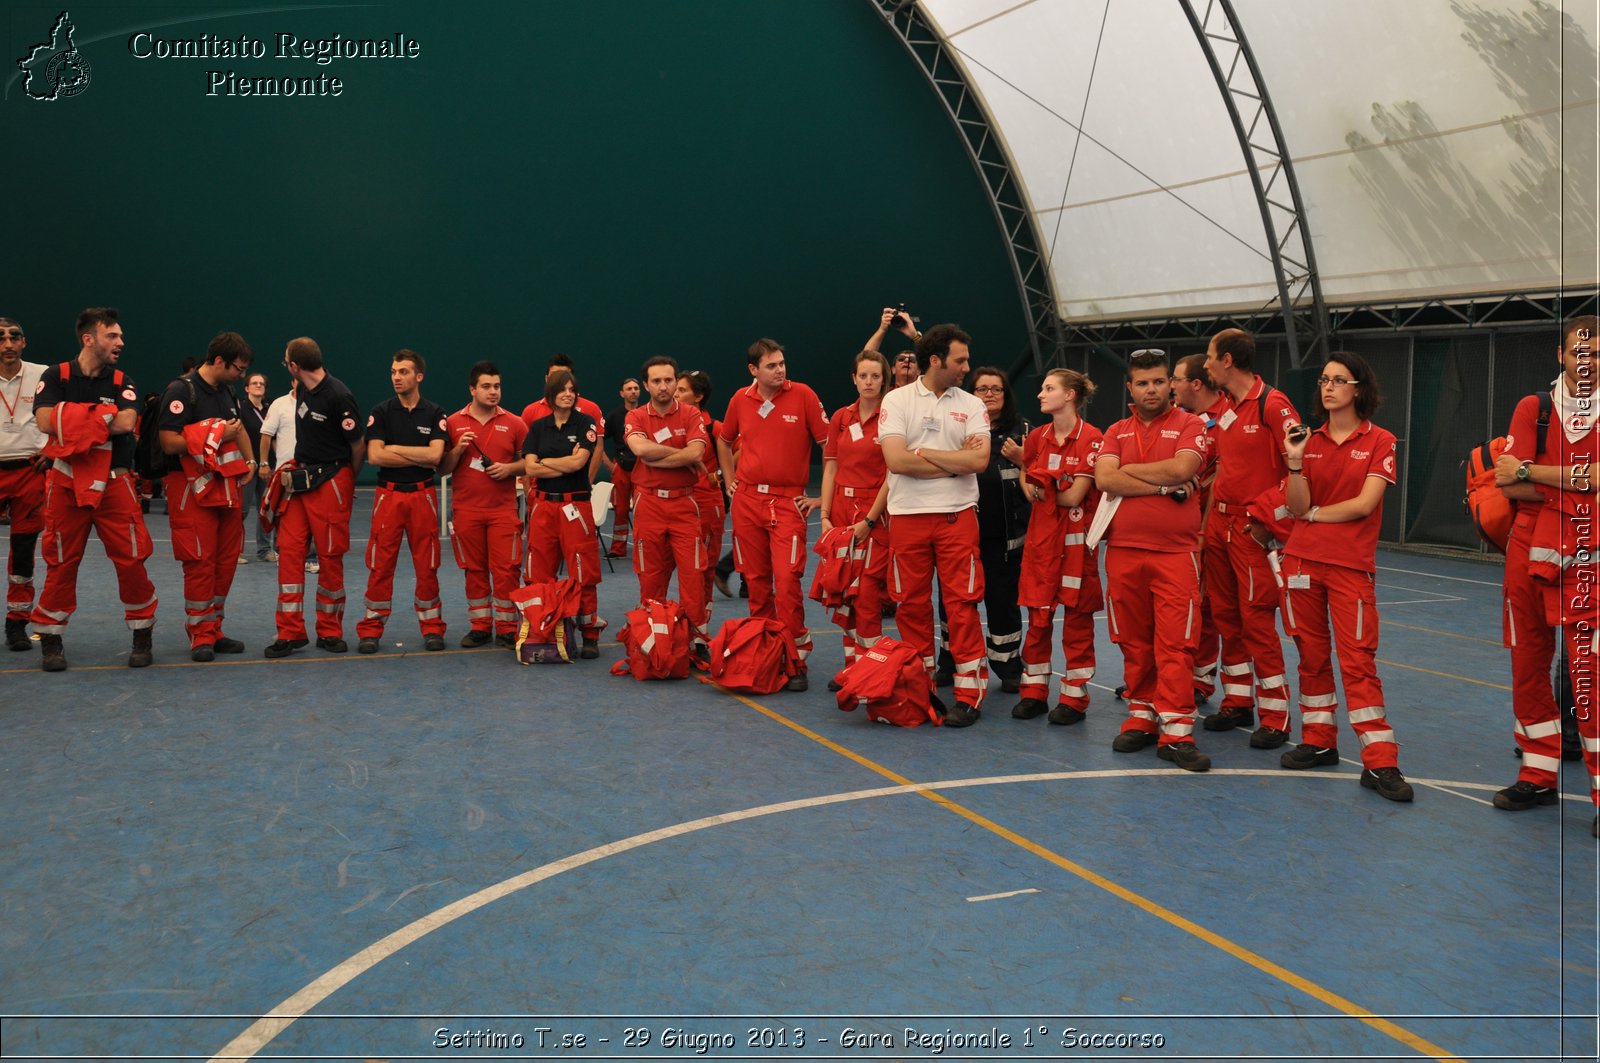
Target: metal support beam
1007	198
1283	215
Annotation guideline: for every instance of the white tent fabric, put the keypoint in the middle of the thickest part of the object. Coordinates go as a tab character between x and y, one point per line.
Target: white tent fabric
1443	147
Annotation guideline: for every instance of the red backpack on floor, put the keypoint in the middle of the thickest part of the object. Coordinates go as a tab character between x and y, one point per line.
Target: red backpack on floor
753	655
548	632
655	637
892	682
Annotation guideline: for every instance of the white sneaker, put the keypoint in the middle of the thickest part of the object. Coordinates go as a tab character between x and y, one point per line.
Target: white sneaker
313	565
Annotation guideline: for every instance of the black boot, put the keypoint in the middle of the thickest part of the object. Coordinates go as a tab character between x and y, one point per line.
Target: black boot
55	657
17	636
141	656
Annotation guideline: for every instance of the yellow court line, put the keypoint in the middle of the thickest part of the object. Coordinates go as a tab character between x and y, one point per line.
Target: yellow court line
1188	926
1447	634
1442	675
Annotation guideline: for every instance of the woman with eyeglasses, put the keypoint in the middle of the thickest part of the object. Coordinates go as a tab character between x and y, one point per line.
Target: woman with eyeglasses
1337	476
1002	527
854	494
1057	565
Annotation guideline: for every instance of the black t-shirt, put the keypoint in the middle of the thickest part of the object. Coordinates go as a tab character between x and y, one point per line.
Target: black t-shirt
390	422
326	423
545	440
616	430
103	388
177	412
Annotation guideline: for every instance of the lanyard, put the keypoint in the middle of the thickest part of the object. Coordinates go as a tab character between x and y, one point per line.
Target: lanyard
12	403
1139	434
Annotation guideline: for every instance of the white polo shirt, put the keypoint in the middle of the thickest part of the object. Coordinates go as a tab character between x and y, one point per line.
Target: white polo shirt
19	435
938	422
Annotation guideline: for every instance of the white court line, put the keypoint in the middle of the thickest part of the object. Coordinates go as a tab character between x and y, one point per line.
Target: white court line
1000	896
1435	575
1422	601
261	1032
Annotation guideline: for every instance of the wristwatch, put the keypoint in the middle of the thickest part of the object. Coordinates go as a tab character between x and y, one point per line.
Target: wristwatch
1524	471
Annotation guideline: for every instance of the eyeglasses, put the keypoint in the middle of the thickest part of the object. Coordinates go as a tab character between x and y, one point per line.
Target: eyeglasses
906	358
1336	381
989	389
10	334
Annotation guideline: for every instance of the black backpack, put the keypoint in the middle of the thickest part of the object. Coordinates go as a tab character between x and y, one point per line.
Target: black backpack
150	462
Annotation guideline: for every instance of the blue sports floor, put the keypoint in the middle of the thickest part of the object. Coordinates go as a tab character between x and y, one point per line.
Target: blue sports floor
449	856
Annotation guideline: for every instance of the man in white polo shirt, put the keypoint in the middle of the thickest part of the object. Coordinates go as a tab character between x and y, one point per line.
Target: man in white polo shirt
935	440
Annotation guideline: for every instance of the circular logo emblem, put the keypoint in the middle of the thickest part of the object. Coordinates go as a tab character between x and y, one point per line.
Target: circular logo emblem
1388	465
68	73
1075	513
590	435
39	388
175	406
348	424
129	394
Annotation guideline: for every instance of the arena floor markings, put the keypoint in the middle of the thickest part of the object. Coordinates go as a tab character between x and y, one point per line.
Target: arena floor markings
423	856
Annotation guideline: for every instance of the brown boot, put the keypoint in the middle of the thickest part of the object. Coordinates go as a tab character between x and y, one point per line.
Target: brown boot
55	657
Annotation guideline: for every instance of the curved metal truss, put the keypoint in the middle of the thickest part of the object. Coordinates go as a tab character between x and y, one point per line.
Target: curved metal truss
1244	92
1007	197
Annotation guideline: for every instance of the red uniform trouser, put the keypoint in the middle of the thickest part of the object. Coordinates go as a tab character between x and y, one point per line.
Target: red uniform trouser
414	515
22	499
207	542
1207	653
323	512
861	618
621	504
769	548
1244	603
120	526
488	547
564	532
1583	657
1077	651
666	536
713	521
1153	600
1314	592
919	545
1532	642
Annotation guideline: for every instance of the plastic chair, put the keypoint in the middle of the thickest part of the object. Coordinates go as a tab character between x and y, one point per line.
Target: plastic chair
600	505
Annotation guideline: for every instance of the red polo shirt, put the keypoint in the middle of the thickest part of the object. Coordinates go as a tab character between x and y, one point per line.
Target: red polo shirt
1335	472
680	426
853	443
776	434
497	440
1250	450
540	408
1156	522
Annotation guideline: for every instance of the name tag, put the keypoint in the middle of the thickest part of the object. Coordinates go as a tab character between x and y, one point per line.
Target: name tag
766	408
855	432
930	424
1302	582
1055	462
1227	419
662	435
570	510
476	463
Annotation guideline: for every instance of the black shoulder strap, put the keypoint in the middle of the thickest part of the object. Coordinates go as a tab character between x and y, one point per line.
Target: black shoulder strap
1547	404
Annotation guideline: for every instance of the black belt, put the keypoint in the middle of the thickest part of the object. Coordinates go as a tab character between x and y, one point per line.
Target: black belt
406	488
16	463
569	496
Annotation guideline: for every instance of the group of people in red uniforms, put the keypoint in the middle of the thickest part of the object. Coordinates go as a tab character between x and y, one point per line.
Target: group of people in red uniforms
1219	511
